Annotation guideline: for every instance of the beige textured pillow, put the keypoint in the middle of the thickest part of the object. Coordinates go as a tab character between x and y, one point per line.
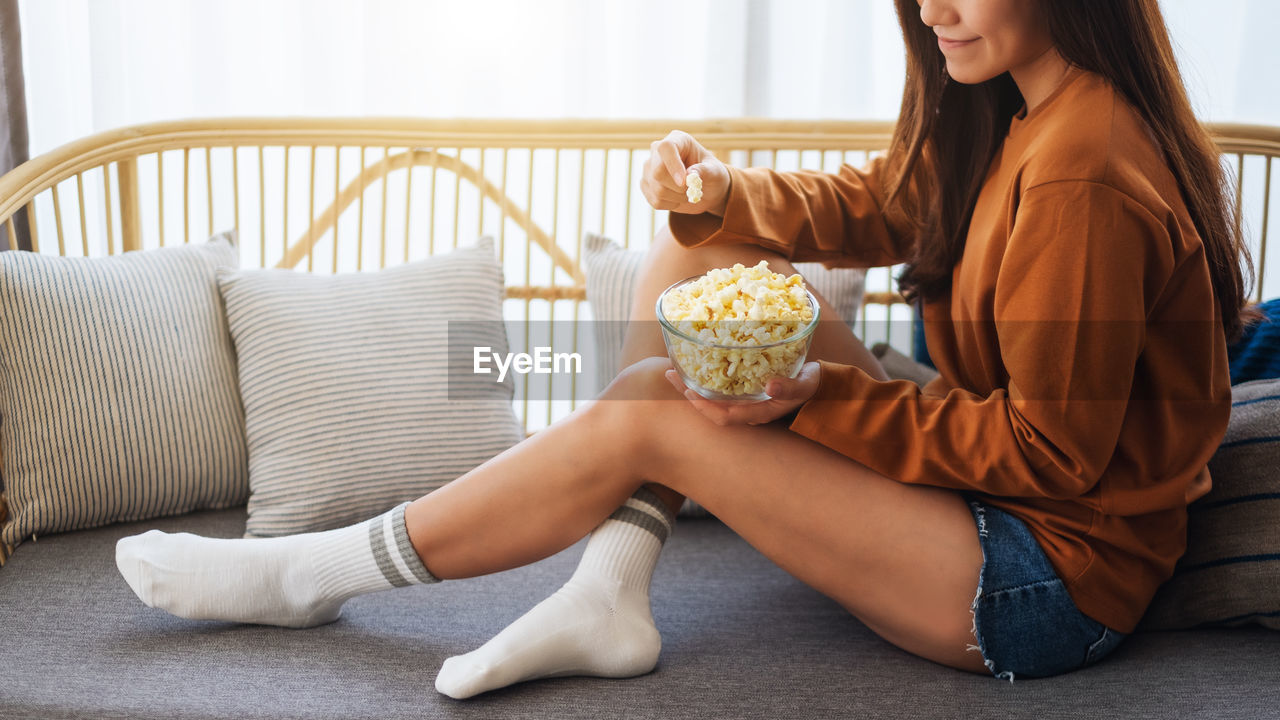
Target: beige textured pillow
346	386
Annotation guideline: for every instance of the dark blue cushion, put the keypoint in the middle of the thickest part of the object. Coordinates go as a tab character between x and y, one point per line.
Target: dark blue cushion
920	351
1256	355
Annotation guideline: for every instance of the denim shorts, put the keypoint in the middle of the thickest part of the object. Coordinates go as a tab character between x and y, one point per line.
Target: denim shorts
1025	622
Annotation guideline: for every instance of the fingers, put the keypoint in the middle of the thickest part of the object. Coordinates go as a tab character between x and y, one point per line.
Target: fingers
723	414
673	377
712	411
780	388
669	153
758	413
663	180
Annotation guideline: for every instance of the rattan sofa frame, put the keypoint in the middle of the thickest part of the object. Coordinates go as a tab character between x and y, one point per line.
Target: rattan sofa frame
535	185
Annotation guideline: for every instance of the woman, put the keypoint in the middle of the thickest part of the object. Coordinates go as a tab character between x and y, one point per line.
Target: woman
1070	241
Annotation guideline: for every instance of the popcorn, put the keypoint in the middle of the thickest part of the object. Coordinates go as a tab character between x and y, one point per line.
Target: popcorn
693	187
747	312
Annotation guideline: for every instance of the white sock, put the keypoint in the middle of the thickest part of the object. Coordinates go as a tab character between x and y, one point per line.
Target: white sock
598	624
293	581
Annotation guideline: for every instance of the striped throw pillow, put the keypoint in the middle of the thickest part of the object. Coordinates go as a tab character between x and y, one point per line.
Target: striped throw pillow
347	396
118	388
1230	574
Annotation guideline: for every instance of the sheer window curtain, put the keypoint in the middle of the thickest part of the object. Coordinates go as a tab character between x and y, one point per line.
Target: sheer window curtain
96	64
92	65
13	109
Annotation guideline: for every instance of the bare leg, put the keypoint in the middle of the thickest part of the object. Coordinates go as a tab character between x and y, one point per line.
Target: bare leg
903	559
599	623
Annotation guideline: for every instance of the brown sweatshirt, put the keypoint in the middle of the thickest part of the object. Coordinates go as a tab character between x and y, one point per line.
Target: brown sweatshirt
1084	381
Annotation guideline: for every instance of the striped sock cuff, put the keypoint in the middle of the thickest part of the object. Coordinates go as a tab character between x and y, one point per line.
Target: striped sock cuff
646	510
396	558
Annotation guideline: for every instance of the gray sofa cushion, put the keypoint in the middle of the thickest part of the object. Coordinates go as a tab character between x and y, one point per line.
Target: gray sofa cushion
741	639
1231	572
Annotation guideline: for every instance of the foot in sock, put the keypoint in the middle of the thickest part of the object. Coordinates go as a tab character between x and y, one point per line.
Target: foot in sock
598	624
294	581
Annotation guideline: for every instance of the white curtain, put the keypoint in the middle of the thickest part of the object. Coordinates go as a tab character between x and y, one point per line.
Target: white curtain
97	64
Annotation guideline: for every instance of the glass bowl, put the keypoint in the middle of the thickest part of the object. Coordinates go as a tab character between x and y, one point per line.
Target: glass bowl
733	372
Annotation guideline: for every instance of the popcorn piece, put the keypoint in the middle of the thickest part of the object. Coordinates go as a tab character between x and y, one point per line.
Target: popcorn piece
693	187
747	311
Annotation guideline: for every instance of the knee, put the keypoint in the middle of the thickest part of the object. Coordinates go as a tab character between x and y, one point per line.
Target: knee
642	380
665	241
634	404
639	410
665	249
667	252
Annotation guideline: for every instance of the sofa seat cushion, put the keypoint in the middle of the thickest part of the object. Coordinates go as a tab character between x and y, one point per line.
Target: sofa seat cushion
741	639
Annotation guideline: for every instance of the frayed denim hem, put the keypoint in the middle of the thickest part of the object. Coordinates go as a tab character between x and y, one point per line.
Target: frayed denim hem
980	515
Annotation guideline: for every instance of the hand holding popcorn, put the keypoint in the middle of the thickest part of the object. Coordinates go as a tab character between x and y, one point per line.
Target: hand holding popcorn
785	395
667	181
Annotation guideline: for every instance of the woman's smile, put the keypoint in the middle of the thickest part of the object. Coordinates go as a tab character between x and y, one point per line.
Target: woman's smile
949	44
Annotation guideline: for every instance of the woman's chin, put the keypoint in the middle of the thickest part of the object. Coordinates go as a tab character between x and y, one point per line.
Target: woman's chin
967	74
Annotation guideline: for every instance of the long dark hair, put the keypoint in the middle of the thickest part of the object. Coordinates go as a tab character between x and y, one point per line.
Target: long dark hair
948	133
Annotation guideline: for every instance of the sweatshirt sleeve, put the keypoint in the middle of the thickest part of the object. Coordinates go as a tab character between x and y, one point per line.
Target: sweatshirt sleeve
806	216
1069	313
